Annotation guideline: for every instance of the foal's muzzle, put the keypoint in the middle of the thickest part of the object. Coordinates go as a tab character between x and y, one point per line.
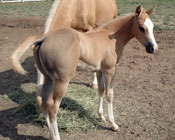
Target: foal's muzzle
149	47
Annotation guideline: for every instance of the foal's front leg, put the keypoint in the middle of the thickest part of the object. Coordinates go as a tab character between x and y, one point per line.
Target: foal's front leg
109	75
101	90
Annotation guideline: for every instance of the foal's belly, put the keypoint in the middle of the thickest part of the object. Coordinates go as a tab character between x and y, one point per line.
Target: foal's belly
83	66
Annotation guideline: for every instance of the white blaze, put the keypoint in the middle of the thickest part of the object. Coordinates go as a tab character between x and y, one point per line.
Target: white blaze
148	23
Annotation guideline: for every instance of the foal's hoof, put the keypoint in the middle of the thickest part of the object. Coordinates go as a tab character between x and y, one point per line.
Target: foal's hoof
94	86
115	128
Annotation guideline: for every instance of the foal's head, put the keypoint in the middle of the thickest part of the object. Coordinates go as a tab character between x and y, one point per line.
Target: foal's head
143	29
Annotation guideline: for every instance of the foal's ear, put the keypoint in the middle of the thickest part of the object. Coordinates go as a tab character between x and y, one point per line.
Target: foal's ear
139	9
151	11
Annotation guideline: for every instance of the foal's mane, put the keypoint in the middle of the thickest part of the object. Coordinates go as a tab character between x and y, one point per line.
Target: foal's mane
116	22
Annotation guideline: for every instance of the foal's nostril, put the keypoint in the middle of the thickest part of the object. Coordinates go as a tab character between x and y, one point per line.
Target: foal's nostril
149	47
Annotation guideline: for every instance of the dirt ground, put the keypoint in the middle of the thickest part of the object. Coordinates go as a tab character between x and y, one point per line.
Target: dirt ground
144	103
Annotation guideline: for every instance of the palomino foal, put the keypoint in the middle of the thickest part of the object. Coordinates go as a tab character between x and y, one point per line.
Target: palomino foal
59	54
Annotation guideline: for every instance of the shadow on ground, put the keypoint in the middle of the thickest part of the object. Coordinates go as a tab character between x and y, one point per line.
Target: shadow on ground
11	83
11	87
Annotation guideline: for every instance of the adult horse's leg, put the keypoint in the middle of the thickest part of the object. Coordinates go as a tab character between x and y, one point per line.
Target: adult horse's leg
40	80
109	75
101	90
52	106
95	81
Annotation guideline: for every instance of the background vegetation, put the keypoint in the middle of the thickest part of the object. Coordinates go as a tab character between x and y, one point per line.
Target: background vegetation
164	16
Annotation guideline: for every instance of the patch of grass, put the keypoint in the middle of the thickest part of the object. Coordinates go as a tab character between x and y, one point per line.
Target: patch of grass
158	41
164	10
25	9
77	111
5	97
158	27
81	102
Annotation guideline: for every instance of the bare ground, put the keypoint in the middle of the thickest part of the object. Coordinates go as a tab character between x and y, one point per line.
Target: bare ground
144	103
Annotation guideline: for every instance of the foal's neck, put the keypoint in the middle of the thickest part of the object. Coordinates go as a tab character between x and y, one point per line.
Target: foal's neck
122	31
117	23
122	27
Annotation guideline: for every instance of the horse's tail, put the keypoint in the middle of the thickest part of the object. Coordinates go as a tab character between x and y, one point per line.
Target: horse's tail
18	53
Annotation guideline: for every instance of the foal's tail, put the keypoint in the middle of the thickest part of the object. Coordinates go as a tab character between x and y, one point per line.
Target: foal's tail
48	84
37	44
18	53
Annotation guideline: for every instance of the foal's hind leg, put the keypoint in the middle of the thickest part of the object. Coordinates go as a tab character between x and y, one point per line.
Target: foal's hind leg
52	106
101	90
42	96
109	75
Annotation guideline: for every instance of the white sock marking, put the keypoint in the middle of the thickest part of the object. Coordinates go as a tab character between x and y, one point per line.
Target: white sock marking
100	109
40	79
111	117
54	130
47	120
95	79
110	112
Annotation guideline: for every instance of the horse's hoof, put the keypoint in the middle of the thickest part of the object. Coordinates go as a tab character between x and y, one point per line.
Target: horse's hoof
57	138
94	86
103	118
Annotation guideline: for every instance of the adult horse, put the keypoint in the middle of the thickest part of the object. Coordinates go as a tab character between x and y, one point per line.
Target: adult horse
82	15
59	54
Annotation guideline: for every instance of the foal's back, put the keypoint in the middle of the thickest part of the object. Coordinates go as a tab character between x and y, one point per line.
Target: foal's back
61	51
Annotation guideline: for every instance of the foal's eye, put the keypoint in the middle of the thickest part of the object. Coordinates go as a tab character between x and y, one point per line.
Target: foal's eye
142	29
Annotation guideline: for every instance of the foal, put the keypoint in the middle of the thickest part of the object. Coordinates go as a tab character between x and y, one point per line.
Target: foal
60	53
